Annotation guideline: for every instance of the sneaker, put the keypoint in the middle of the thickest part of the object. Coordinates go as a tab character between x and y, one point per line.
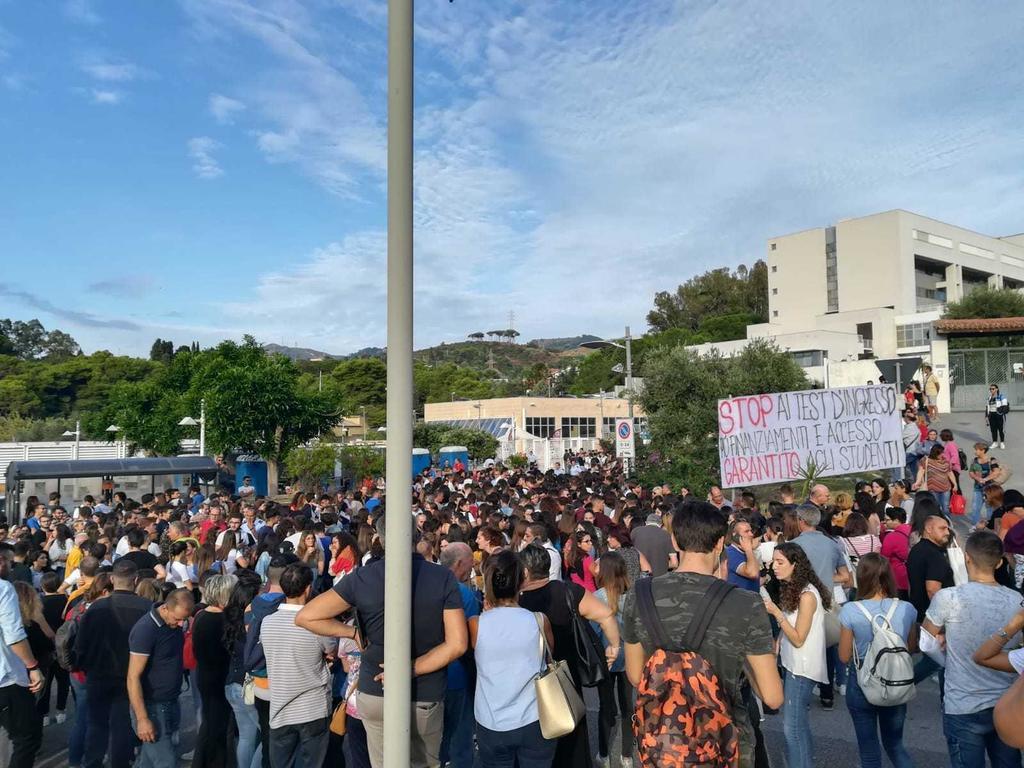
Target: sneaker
828	705
1002	445
626	762
187	757
61	718
842	690
603	762
47	720
993	446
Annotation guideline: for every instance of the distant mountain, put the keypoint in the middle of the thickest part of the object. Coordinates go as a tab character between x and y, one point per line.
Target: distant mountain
367	352
563	344
299	353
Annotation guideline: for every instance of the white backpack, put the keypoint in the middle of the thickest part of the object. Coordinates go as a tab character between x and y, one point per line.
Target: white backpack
886	673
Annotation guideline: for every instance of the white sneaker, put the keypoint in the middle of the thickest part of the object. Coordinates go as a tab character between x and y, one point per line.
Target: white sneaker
187	757
61	718
47	720
1002	445
993	446
626	762
842	690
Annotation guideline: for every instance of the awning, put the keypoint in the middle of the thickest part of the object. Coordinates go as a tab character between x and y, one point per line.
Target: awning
980	325
203	466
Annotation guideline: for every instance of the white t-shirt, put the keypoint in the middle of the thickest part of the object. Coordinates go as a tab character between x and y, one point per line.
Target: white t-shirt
177	573
123	547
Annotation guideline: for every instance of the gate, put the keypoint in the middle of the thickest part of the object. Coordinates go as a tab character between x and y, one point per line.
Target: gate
972	370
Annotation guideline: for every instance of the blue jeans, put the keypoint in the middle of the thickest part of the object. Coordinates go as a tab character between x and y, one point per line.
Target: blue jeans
869	721
796	722
942	497
979	510
912	459
524	747
457	737
970	737
76	739
248	751
166	719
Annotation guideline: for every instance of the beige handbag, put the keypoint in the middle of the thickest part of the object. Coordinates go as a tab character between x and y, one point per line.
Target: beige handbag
558	702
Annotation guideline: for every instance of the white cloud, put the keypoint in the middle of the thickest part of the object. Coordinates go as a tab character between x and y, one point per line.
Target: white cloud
224	108
104	96
572	159
81	12
205	165
109	71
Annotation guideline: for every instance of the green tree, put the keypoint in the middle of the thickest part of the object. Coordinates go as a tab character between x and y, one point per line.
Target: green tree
253	403
680	398
361	382
361	461
987	303
162	351
310	466
711	294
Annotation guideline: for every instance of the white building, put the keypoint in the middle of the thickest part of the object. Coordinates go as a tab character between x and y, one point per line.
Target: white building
872	287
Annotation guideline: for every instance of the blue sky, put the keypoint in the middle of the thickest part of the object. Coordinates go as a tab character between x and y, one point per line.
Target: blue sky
200	169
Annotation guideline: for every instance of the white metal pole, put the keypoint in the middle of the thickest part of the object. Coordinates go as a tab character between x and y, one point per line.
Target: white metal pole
629	392
202	427
398	560
78	437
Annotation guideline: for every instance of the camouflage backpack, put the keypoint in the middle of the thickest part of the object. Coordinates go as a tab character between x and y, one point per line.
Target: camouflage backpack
683	716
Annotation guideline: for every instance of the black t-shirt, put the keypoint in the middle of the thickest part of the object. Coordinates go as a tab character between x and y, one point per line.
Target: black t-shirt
143	559
740	628
926	562
53	610
552	602
212	658
163	645
434	590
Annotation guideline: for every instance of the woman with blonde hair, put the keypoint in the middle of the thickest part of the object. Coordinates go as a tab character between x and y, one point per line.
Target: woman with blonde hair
844	506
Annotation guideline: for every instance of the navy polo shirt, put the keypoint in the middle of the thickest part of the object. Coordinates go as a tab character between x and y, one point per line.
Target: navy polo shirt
151	637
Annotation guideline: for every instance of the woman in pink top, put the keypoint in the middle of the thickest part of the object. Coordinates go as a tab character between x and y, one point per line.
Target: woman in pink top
896	547
951	453
583	556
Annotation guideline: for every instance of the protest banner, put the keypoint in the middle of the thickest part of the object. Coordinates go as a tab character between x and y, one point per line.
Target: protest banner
772	438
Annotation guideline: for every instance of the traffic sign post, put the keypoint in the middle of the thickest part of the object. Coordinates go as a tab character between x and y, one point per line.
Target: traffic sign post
625	442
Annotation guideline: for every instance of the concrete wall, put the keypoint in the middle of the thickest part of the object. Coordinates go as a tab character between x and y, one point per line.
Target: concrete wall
796	289
868	261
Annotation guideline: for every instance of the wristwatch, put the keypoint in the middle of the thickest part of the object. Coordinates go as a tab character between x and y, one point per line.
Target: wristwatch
1001	634
33	668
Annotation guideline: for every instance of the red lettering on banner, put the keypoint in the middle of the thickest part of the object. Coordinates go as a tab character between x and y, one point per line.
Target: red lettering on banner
725	420
771	467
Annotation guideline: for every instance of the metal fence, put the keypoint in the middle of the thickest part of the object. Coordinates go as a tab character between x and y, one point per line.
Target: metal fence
972	370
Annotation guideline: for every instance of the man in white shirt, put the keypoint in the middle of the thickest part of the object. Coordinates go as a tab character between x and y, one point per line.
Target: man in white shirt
20	678
538	533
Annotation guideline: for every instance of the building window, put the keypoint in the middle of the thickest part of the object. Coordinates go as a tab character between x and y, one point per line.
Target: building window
773	246
831	270
775	313
775	291
913	335
607	426
578	426
808	358
540	426
774	268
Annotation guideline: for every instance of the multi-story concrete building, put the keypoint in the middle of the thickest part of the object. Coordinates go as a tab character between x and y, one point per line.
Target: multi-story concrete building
873	287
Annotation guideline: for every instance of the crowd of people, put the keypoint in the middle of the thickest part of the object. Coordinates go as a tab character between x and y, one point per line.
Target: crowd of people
684	621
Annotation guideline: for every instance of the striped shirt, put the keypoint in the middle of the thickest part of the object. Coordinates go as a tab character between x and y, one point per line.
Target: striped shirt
300	682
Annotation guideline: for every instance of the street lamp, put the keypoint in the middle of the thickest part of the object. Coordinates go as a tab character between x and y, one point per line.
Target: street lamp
112	431
628	346
188	421
77	434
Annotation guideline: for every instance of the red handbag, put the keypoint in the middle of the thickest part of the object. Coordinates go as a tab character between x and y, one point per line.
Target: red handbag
957	503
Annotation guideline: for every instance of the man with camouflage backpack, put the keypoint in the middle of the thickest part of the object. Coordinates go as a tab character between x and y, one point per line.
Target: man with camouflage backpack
691	639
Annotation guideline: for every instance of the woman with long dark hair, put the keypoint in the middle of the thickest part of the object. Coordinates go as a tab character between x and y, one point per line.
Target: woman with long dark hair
876	597
345	556
613	582
248	751
800	613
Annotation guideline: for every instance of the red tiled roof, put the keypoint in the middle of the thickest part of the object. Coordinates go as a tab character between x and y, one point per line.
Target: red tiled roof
981	325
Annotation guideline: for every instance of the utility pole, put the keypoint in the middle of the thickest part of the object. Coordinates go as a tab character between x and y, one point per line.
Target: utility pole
398	566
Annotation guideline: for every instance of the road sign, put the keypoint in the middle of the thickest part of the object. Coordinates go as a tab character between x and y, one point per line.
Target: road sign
625	439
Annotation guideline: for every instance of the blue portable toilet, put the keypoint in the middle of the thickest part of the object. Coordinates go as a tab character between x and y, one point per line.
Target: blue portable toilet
256	468
450	453
420	460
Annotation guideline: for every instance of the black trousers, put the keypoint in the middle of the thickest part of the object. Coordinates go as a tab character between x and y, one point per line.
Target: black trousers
23	723
616	697
263	712
995	426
